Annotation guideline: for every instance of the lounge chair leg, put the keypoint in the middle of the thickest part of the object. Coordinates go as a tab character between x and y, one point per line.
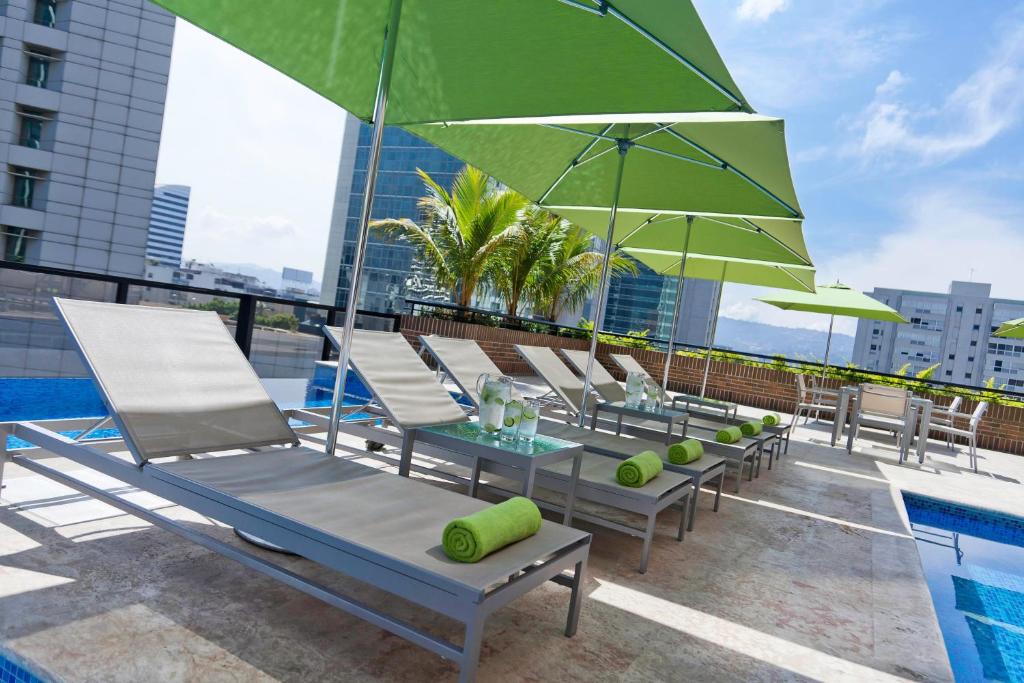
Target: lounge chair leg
718	491
576	599
739	475
474	478
750	472
648	537
471	649
683	514
692	515
405	461
758	458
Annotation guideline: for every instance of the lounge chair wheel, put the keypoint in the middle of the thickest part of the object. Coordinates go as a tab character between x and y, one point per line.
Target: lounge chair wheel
260	543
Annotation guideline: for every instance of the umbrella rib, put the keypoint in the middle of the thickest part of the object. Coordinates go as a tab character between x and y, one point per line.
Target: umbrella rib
575	162
757	228
637	229
729	167
794	278
679	157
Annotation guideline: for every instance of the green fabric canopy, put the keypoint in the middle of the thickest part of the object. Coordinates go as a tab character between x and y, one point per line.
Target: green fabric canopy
724	269
730	171
466	59
837	299
1013	329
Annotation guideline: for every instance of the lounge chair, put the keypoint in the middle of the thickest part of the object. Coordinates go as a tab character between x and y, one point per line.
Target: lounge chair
689	401
610	390
742	455
462	361
177	387
407	390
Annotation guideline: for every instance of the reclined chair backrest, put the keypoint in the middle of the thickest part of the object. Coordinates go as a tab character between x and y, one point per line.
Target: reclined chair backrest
602	380
399	379
979	412
463	360
174	380
553	371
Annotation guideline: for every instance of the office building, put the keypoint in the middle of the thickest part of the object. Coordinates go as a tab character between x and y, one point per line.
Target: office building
388	264
647	302
82	106
167	219
953	329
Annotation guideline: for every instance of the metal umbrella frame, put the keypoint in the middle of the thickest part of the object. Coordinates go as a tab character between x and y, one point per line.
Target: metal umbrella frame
835	299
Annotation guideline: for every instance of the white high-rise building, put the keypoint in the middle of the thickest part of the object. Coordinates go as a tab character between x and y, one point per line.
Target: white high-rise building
953	329
167	219
82	88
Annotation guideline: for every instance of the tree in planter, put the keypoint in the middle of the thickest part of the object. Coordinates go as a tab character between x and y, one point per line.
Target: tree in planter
462	229
566	280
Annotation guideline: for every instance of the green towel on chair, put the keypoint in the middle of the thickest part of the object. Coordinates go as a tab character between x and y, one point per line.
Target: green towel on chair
752	428
638	470
771	419
474	537
729	435
685	452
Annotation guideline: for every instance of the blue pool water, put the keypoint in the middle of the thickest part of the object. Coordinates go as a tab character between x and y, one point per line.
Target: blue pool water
973	561
13	672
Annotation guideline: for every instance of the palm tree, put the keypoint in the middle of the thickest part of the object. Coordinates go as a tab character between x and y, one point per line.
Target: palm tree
567	279
515	272
462	229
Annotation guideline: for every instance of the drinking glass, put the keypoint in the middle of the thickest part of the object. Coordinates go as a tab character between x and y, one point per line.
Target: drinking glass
531	416
511	420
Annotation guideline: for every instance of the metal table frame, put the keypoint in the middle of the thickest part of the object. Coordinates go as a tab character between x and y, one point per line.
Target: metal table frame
519	460
667	415
922	416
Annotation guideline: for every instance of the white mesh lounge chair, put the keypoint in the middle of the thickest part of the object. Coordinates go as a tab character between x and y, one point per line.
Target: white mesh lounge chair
610	390
407	390
689	401
886	408
462	360
177	386
964	426
742	455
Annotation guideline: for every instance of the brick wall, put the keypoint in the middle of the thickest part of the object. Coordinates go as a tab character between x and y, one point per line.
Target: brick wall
1002	429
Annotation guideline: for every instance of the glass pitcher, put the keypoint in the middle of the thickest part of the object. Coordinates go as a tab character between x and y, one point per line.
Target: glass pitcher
634	389
495	391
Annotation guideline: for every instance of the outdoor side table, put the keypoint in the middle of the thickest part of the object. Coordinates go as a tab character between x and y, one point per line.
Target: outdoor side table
526	458
668	416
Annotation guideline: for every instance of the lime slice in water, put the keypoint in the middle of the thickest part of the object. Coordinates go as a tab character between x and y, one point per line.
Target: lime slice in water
489	427
529	414
510	422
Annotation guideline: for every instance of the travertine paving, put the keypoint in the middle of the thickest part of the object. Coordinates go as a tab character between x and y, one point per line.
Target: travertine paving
809	574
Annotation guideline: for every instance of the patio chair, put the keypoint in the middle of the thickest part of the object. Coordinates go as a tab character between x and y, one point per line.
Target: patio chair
204	434
809	400
968	432
610	390
407	390
744	454
462	361
886	408
690	402
943	416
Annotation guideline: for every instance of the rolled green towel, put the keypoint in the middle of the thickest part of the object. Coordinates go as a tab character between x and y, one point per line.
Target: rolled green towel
729	435
638	470
752	428
474	537
771	419
685	452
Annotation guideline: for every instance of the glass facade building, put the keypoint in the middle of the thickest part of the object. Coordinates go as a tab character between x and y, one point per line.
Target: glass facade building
167	219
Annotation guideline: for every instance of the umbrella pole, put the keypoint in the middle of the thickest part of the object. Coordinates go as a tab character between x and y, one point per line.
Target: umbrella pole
602	289
379	108
678	307
711	341
828	346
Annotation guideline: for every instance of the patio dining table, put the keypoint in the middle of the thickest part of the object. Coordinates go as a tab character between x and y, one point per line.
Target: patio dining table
922	414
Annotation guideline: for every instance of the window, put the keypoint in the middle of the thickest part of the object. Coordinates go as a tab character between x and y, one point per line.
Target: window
974	342
970	359
15	243
952	356
40	66
25	186
31	130
959	309
967	375
949	373
976	327
874	347
46	13
978	311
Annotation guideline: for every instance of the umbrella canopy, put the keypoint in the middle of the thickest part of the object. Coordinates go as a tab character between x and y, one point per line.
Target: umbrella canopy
1013	329
837	299
724	269
463	59
729	171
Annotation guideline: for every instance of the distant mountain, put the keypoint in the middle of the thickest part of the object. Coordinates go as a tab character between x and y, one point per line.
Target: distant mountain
792	342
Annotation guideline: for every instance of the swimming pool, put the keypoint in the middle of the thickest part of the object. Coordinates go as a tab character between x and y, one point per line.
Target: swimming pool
973	561
14	671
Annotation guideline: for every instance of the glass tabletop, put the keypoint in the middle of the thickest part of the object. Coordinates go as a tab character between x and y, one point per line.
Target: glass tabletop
472	433
644	409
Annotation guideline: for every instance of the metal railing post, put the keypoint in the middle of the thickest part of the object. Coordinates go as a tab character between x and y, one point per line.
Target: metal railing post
121	295
244	323
332	319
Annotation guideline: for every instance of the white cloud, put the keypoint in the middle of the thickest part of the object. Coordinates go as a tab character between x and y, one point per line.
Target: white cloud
986	104
759	10
259	150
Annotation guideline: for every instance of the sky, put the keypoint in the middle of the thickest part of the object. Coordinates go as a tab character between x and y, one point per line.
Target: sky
903	120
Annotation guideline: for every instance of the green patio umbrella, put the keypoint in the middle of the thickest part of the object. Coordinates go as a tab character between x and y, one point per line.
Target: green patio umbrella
666	174
836	299
421	61
1012	329
722	269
